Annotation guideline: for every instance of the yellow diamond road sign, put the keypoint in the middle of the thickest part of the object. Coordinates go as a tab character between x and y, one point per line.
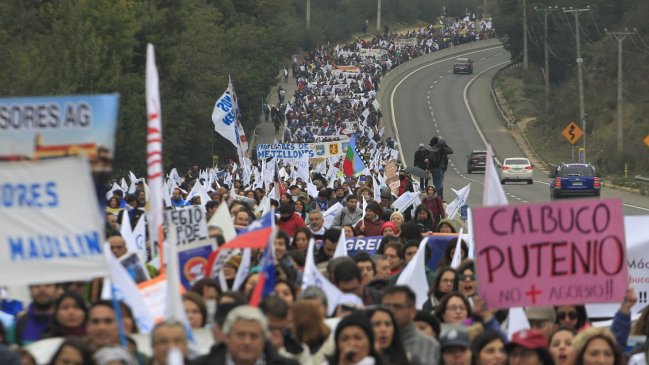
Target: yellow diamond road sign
572	133
646	140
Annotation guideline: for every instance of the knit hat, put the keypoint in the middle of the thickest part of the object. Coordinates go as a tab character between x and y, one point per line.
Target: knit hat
375	207
455	338
389	224
356	318
531	339
234	261
584	337
541	314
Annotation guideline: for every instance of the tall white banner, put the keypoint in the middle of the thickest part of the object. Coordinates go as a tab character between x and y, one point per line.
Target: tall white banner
47	235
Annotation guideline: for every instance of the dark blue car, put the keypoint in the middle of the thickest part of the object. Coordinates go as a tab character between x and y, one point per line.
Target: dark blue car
574	179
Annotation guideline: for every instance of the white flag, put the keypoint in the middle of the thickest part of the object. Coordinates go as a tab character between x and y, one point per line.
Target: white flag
138	240
458	202
457	256
224	118
223	220
414	274
494	194
174	307
471	241
154	145
244	269
313	277
303	168
125	229
516	321
329	215
127	291
341	247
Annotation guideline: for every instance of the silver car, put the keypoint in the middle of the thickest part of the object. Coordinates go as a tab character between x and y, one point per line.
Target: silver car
516	169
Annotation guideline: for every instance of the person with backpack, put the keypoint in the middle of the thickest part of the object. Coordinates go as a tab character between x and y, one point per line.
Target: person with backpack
438	162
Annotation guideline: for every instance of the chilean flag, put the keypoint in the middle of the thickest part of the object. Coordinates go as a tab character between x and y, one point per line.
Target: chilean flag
266	281
257	235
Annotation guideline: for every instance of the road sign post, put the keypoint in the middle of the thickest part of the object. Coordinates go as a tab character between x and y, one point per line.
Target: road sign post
572	133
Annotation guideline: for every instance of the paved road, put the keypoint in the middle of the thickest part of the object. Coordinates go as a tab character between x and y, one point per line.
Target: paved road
424	98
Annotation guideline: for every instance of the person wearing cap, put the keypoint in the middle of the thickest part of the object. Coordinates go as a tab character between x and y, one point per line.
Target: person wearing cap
372	224
354	339
289	221
421	161
529	347
230	269
456	348
542	319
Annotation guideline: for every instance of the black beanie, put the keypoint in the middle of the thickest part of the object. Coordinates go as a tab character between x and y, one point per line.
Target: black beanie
359	319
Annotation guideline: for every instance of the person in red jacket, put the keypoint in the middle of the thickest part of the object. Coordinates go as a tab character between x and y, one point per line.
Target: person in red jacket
289	221
433	202
372	225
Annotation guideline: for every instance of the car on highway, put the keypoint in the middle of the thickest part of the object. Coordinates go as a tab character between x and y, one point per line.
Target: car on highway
476	161
463	65
516	169
572	179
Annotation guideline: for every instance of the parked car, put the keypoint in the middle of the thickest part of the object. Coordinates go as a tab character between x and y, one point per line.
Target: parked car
476	161
463	65
574	179
516	169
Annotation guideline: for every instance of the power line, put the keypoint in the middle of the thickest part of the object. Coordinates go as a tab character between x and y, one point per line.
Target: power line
641	39
596	25
637	46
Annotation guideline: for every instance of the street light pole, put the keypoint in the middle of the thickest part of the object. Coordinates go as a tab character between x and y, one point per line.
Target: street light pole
619	37
308	14
378	16
580	77
546	75
525	60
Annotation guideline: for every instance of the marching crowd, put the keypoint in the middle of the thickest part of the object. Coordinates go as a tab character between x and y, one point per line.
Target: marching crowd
374	320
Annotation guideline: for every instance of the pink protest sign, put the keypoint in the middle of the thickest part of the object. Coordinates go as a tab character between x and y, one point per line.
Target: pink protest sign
570	252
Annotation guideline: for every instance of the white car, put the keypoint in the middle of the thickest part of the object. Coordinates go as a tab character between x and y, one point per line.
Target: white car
516	169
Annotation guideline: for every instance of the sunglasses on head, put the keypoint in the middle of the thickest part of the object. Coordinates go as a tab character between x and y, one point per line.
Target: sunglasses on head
562	315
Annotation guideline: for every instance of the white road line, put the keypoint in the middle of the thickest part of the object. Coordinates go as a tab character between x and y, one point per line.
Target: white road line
466	100
394	119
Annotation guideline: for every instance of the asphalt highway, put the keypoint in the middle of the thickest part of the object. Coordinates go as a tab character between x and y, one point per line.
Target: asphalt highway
423	98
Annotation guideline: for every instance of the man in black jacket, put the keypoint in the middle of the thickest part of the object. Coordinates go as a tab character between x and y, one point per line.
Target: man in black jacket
246	341
438	162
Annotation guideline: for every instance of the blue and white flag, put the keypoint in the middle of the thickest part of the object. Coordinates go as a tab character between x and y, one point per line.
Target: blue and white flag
224	118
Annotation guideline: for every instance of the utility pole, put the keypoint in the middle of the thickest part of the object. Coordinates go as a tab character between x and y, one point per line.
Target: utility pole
546	75
619	37
308	14
580	76
525	62
378	16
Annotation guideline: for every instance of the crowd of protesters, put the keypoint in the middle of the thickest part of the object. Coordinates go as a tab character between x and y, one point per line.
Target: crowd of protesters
374	321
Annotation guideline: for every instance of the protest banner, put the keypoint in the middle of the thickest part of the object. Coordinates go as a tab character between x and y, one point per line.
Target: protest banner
556	253
293	151
436	243
190	223
34	128
192	259
154	293
637	253
46	235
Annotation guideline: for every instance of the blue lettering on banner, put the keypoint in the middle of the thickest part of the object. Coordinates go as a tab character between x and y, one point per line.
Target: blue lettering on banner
22	195
436	244
43	247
